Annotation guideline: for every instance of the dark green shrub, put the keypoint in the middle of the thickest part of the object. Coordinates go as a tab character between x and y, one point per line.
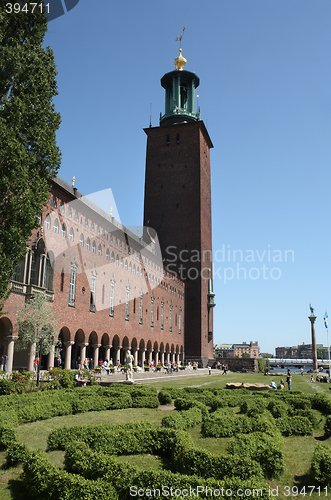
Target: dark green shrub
164	397
7	386
17	452
320	471
252	406
265	449
278	408
321	402
183	420
224	423
294	426
327	426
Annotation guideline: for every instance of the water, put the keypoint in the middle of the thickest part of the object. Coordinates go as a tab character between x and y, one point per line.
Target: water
295	370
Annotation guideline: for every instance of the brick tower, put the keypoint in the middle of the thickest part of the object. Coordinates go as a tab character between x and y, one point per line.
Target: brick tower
178	204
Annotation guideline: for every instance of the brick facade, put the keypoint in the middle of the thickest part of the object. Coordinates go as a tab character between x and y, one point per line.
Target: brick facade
178	208
81	247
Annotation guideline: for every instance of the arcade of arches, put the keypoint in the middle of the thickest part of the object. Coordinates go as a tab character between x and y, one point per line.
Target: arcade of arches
89	345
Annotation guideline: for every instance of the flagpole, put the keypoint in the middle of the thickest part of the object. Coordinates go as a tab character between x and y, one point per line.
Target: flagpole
327	331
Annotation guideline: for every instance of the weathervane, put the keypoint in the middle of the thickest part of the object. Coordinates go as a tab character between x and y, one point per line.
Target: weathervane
180	37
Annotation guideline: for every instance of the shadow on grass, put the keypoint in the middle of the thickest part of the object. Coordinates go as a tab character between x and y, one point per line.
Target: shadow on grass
17	489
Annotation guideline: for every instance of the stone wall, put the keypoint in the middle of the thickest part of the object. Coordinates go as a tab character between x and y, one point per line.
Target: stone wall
239	364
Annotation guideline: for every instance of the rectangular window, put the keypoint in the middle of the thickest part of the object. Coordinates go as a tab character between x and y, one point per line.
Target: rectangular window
48	278
141	309
170	320
92	298
127	305
180	322
72	287
152	312
162	316
111	306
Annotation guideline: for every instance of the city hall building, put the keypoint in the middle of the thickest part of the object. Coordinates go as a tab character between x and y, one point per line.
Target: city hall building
114	290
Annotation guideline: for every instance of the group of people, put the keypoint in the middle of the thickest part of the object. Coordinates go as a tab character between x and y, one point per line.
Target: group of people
320	378
273	384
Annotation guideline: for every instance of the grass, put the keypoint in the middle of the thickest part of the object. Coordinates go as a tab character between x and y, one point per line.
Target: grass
298	451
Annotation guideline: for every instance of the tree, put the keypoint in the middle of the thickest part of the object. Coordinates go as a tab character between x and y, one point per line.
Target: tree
29	157
245	355
37	324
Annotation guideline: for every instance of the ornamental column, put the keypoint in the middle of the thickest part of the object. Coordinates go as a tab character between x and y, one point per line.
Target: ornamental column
67	353
107	352
50	358
31	356
117	357
135	357
162	358
156	358
96	354
83	346
10	353
142	358
312	319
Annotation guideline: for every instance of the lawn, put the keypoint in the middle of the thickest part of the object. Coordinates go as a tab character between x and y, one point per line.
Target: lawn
298	451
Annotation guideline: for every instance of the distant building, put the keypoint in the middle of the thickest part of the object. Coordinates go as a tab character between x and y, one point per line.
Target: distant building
303	351
237	350
252	349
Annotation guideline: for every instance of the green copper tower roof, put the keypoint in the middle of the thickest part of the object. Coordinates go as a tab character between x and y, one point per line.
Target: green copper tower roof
180	88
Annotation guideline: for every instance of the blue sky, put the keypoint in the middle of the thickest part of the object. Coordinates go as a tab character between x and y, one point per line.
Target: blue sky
265	75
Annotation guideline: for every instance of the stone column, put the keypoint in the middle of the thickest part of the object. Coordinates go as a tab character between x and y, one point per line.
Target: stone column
156	358
10	353
107	352
50	359
96	354
31	356
177	358
312	319
83	346
142	358
168	357
150	356
117	356
67	355
135	357
162	357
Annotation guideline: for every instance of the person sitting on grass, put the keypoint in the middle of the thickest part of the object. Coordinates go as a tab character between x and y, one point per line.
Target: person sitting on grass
273	385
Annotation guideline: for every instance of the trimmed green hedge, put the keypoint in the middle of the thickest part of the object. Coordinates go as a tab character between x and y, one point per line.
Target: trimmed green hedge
164	397
183	419
294	426
266	449
320	471
81	460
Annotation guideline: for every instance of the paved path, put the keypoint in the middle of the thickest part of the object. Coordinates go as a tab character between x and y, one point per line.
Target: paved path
148	377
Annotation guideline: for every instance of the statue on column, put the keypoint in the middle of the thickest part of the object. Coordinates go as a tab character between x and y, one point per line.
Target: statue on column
129	366
312	310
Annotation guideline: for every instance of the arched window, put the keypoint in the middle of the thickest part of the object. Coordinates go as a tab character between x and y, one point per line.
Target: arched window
99	250
69	211
47	222
85	222
53	201
63	230
97	230
76	216
107	254
61	206
134	269
121	261
112	257
92	226
71	234
56	226
126	265
81	240
120	244
94	247
103	234
48	276
117	260
88	243
130	267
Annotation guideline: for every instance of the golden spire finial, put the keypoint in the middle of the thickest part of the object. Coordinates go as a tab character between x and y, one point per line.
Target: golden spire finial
180	61
111	211
73	181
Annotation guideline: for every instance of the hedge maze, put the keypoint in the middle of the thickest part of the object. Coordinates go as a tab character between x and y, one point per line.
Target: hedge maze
256	424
